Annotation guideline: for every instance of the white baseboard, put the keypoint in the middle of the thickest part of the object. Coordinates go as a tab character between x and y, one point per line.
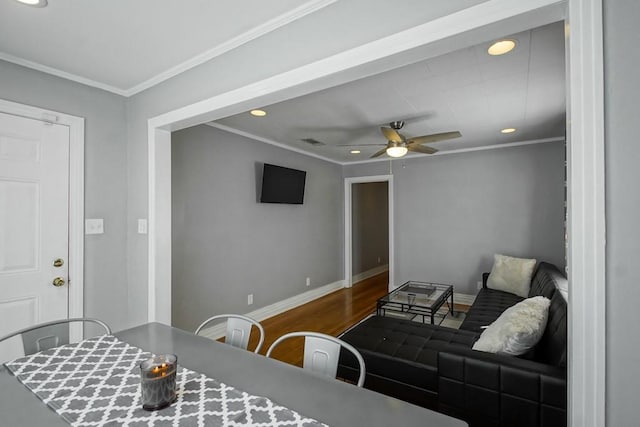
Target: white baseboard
463	298
218	331
369	273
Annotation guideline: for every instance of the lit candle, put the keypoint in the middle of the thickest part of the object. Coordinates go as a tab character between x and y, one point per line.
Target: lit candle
158	381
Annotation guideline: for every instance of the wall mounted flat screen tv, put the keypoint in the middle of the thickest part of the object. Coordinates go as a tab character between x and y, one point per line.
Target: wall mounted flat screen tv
282	185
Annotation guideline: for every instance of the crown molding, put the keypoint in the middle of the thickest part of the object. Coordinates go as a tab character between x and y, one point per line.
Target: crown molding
462	150
256	32
62	74
252	34
270	142
384	159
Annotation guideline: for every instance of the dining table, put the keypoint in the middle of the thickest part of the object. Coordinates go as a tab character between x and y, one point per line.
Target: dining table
326	400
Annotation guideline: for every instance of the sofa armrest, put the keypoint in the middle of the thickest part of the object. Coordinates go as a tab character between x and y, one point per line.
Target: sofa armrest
492	389
485	277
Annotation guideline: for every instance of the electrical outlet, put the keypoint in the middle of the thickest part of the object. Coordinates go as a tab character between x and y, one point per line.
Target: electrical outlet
94	226
308	281
249	299
479	284
378	260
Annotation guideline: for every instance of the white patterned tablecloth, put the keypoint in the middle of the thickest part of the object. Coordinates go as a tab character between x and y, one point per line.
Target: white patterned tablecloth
96	382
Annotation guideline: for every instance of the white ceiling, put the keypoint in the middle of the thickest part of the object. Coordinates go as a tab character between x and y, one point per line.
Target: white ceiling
126	46
466	90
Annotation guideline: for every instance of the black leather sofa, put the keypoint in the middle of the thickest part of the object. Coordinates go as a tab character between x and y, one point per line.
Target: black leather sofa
435	367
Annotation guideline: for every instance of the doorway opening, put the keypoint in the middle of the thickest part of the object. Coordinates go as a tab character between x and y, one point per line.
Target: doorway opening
368	228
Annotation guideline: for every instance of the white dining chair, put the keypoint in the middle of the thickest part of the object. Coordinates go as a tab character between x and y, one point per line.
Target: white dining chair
322	352
44	336
237	331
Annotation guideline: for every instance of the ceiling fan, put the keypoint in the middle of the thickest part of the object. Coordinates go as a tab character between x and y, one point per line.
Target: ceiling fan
398	145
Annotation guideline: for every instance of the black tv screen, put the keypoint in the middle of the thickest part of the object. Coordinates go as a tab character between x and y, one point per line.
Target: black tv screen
282	185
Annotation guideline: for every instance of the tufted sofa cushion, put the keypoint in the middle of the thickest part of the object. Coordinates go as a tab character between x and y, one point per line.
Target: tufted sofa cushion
435	367
487	307
403	350
488	389
544	281
552	348
490	303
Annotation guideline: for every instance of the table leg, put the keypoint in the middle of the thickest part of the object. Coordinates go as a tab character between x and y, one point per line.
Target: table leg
452	313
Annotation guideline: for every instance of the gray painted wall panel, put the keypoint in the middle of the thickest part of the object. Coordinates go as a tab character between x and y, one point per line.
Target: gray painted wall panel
453	212
105	179
294	45
369	226
622	91
226	245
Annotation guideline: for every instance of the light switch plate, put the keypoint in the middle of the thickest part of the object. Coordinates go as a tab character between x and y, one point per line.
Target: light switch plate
94	226
142	226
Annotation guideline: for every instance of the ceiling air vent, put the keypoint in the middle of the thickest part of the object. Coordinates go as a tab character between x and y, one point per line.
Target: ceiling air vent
312	141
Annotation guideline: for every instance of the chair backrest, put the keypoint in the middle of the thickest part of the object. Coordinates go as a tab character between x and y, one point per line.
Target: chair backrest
238	330
322	352
44	336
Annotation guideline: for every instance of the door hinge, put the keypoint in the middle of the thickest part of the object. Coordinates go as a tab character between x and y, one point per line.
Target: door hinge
49	119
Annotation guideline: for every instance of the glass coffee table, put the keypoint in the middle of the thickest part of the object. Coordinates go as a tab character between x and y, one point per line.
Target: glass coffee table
417	299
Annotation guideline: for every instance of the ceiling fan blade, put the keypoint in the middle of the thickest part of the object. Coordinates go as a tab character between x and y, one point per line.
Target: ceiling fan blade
421	149
391	135
357	145
379	153
433	137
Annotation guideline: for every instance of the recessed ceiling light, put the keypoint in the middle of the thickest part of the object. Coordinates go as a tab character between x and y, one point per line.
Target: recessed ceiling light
508	130
501	47
258	113
34	3
355	151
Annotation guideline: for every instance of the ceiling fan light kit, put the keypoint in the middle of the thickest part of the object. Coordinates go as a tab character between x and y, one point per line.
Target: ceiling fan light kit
397	150
398	145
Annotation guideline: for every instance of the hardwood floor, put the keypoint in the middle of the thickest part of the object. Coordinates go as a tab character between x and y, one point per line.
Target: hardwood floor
331	314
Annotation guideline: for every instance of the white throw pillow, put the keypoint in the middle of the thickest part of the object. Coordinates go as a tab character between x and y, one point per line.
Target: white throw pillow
511	274
518	329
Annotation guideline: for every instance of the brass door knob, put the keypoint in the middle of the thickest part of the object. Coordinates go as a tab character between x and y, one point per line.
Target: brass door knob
58	281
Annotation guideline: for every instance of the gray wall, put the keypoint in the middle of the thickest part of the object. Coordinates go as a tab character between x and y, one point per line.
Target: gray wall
369	226
453	212
226	245
105	278
294	45
622	91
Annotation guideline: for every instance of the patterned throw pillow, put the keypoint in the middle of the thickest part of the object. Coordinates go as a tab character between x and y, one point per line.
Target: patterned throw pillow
511	274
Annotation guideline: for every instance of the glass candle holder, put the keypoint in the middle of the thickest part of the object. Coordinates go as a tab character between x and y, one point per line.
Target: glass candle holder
158	381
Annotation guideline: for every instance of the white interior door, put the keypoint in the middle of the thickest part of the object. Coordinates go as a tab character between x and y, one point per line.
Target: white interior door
34	223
